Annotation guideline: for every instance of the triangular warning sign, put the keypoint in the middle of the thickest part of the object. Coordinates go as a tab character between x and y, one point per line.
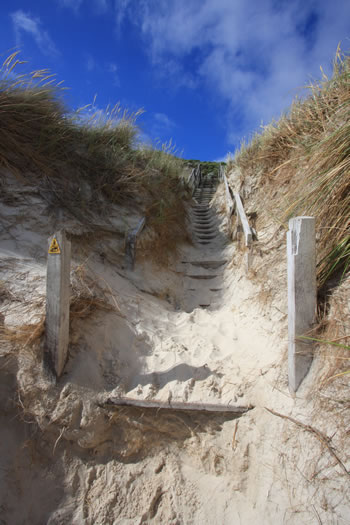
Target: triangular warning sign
54	246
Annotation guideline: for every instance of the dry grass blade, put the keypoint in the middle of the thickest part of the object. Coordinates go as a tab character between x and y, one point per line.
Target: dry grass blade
321	437
63	151
25	335
82	307
306	156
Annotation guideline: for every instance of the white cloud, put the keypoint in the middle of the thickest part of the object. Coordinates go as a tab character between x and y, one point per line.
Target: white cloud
170	68
222	159
113	69
252	56
122	10
25	23
100	6
72	4
163	121
90	63
161	127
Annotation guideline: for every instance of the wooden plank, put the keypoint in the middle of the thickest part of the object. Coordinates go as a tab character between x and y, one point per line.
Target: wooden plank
302	302
229	201
140	226
130	243
57	302
177	405
244	221
195	178
190	181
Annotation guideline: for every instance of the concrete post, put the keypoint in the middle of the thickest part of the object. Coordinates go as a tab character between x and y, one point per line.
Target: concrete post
57	301
301	253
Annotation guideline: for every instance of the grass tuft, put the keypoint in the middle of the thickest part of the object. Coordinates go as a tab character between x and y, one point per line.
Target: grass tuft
79	158
304	158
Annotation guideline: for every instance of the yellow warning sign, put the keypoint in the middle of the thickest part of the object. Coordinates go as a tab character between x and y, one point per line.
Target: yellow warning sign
54	246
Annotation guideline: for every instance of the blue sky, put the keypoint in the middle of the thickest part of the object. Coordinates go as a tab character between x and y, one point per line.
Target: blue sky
207	72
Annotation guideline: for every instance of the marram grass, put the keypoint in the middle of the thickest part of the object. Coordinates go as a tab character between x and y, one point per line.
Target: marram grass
305	158
41	140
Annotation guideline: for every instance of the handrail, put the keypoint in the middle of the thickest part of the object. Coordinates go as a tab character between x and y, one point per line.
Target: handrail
229	201
244	221
130	243
193	181
237	205
195	178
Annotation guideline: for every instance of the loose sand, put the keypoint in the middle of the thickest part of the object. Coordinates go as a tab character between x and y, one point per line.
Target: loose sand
68	457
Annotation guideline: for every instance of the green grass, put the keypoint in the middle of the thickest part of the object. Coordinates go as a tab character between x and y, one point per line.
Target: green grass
206	166
42	141
303	160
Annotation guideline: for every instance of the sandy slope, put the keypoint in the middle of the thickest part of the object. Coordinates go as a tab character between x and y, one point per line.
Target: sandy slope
67	457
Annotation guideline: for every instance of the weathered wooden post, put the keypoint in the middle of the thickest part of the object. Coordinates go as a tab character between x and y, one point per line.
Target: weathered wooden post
57	301
301	254
246	230
130	244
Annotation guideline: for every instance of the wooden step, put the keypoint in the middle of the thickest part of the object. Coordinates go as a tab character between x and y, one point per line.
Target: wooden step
176	405
202	276
207	264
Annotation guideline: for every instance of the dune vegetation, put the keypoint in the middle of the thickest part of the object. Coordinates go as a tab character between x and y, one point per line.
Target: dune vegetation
61	150
201	329
302	163
299	165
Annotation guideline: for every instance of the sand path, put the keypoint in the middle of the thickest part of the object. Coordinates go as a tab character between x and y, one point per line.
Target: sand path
204	263
214	344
